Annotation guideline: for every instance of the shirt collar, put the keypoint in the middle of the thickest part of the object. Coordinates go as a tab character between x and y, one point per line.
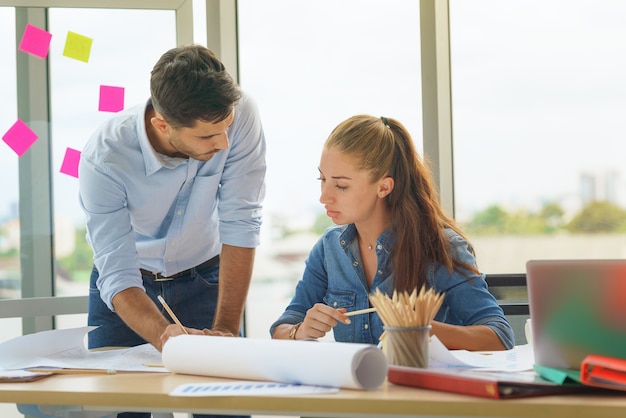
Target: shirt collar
153	160
349	234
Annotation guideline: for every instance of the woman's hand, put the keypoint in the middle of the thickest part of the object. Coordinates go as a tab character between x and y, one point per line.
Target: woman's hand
319	320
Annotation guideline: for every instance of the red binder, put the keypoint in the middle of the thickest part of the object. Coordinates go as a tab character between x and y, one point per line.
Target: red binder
603	372
486	384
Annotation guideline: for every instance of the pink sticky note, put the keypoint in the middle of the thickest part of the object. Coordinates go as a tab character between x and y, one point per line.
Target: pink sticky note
70	162
35	41
19	137
111	99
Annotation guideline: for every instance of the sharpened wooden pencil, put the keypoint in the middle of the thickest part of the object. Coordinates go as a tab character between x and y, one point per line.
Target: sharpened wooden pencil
360	311
169	311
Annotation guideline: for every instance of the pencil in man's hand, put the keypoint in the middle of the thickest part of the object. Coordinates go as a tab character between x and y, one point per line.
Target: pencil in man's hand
171	313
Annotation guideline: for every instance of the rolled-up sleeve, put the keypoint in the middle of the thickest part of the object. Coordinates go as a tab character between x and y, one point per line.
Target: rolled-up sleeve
103	200
242	187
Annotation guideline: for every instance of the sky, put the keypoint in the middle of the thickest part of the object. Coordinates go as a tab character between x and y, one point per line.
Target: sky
539	97
538	89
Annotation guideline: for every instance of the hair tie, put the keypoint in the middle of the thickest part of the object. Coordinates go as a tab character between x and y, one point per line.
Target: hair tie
385	121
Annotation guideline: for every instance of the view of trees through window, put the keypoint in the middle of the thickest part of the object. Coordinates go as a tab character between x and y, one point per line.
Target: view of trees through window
538	98
594	217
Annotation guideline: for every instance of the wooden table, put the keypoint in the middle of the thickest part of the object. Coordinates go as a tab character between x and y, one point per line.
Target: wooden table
149	392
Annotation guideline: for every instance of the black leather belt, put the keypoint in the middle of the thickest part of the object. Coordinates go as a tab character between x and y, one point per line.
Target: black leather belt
158	277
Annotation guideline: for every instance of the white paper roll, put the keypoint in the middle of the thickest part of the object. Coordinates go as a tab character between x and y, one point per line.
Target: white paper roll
319	363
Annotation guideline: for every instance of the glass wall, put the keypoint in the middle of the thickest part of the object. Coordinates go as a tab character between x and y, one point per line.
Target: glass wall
539	96
74	90
121	56
310	65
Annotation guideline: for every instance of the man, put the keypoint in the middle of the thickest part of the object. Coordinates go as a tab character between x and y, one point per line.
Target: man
172	190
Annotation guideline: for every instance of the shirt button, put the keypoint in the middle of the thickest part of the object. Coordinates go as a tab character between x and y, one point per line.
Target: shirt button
356	263
366	326
335	304
180	212
380	272
169	260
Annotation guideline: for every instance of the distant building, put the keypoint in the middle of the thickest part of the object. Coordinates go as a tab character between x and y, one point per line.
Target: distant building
600	186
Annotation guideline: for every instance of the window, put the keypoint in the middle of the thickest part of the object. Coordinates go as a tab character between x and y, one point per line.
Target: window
310	65
118	58
74	92
538	95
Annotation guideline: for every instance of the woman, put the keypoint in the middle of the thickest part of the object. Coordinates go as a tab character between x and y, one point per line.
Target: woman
391	233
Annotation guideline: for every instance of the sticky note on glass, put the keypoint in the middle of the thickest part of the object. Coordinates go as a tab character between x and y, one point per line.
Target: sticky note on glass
77	46
35	41
70	162
19	137
111	99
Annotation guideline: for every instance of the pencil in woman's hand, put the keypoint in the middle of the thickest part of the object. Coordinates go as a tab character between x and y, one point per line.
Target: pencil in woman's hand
171	313
360	311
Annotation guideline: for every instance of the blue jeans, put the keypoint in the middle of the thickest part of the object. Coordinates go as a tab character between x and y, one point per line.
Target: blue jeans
192	297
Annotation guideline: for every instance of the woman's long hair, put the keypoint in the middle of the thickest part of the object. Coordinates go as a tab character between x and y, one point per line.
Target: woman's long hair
383	147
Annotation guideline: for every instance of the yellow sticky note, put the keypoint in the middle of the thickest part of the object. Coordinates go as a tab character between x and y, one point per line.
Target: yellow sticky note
77	46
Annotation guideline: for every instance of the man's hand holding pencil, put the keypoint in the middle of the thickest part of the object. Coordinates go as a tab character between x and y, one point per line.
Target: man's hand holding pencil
177	328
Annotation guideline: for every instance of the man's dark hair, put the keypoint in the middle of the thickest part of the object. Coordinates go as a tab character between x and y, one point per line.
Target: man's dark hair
189	83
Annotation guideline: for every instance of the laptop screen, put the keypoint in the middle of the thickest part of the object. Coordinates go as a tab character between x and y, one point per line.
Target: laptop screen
577	307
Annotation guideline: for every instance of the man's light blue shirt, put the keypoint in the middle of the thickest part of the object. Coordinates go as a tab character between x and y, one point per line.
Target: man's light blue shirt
146	210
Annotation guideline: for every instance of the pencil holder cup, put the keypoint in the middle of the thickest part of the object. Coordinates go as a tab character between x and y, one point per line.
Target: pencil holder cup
407	346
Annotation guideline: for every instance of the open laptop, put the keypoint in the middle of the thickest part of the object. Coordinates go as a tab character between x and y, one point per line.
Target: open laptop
577	307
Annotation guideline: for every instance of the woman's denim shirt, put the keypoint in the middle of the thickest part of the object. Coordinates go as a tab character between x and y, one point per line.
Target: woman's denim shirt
334	276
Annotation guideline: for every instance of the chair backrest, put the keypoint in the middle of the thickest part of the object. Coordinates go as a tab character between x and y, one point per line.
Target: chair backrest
512	295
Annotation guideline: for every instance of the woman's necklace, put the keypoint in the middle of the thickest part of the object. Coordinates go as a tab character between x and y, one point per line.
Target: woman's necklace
369	246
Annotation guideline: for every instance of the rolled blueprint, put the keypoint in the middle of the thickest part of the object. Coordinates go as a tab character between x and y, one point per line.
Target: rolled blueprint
318	363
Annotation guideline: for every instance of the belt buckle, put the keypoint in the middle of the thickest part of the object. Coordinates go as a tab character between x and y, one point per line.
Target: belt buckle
159	278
